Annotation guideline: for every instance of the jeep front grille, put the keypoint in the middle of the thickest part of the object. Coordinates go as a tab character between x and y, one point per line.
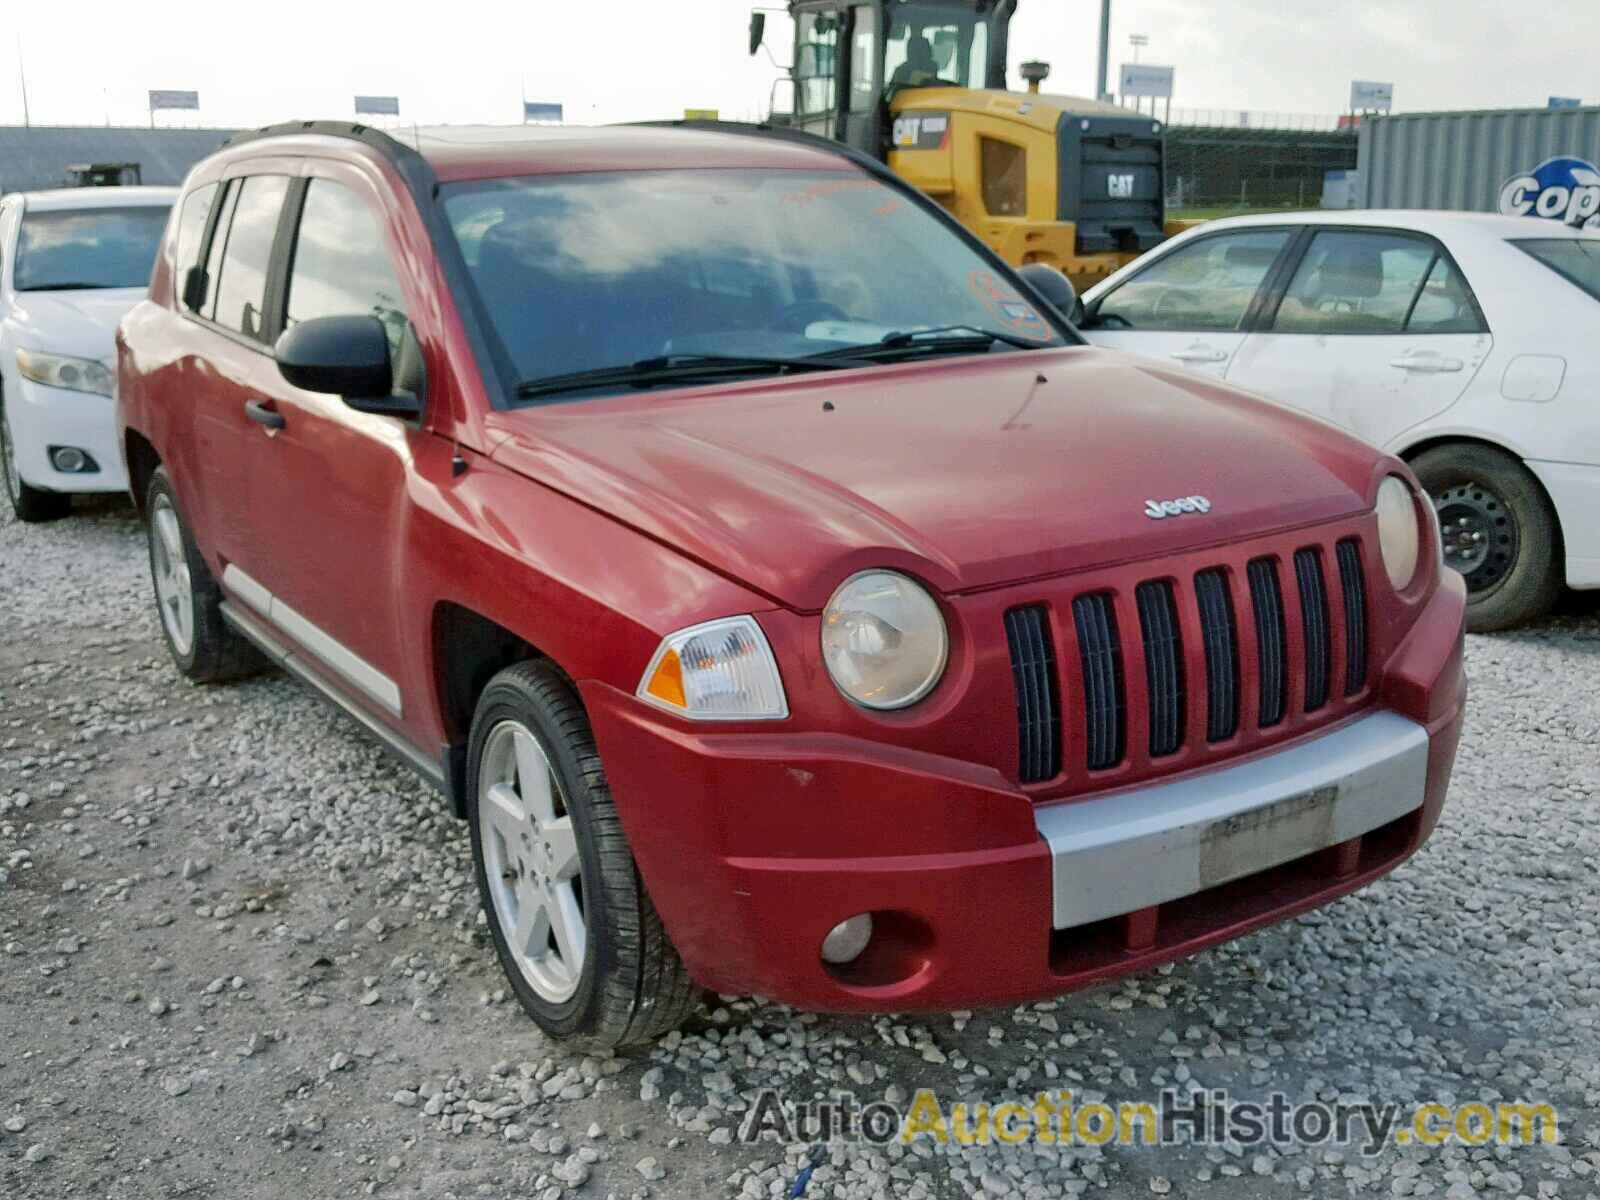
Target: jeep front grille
1202	660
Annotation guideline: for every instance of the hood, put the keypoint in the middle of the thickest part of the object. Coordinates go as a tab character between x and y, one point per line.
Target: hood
967	472
80	323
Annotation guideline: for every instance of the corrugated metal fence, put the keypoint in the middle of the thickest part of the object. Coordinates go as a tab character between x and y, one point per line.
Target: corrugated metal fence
1461	159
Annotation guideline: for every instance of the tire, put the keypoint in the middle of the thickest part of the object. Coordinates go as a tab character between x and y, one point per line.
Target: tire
547	846
32	505
188	601
1499	531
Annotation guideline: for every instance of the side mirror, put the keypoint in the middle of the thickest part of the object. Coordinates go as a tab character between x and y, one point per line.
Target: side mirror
347	357
196	283
758	30
1054	287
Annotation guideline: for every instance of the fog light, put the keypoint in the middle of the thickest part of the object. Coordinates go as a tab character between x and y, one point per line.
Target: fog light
71	460
847	939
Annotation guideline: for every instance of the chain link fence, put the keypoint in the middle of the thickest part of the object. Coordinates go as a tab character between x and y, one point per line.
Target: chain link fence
1220	162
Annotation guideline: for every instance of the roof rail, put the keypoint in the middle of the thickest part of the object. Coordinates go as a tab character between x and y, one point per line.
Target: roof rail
376	138
781	133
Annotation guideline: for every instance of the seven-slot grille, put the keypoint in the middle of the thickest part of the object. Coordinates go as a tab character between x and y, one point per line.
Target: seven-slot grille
1207	610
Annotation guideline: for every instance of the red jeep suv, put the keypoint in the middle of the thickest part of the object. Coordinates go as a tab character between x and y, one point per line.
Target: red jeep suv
787	598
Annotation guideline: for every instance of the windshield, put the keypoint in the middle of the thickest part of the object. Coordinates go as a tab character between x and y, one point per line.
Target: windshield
1576	260
65	249
586	272
931	44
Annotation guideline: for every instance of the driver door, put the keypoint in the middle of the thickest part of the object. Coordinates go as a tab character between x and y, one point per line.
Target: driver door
1191	306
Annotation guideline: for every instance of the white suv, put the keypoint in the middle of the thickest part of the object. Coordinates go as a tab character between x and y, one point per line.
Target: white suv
72	262
1466	343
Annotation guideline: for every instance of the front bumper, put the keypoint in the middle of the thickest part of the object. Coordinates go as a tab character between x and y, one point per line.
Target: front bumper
41	417
755	844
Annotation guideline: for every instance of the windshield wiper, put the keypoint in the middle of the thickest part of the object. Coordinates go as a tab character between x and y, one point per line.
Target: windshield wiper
67	287
669	368
936	339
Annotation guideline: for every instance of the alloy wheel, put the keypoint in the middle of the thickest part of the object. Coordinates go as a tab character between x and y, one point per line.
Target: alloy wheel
174	592
530	855
1479	534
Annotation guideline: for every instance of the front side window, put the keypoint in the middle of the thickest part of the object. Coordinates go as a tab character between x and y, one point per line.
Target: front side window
1206	285
583	272
341	266
79	249
931	44
1355	281
1577	260
241	289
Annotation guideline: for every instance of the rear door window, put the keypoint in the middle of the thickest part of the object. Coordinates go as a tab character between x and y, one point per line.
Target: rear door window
1358	281
241	289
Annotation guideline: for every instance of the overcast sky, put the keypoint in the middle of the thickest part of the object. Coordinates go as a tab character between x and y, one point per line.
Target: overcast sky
88	61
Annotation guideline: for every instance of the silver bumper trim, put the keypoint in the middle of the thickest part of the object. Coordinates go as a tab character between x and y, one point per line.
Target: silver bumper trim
1152	844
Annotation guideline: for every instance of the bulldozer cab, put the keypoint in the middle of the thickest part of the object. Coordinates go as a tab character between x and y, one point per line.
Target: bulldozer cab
920	85
851	57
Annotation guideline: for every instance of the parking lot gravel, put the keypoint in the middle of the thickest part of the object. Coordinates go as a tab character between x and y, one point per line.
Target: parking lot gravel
240	956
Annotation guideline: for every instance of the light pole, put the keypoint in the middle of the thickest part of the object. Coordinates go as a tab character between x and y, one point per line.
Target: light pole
1101	93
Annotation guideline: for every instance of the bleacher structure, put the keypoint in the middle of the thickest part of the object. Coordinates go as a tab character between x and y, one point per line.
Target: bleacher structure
33	157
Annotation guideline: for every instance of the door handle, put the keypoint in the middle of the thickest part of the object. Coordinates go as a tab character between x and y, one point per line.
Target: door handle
1426	362
258	412
1200	354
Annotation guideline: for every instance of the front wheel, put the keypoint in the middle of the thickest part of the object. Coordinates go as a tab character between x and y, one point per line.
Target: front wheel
31	504
574	928
1497	529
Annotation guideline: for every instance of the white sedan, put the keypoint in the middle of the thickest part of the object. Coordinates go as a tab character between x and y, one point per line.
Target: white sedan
72	262
1468	344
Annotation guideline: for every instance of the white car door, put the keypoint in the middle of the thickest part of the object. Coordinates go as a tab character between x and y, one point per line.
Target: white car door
1188	306
1376	331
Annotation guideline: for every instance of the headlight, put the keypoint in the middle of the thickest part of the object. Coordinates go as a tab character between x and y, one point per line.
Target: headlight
883	640
720	671
1399	531
57	370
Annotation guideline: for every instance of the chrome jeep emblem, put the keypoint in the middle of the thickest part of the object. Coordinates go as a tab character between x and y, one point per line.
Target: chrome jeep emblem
1158	510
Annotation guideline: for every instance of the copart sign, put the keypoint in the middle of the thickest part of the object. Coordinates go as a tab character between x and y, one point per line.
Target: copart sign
1559	189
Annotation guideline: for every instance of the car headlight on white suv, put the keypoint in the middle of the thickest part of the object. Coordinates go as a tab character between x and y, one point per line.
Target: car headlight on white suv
884	640
1399	531
62	371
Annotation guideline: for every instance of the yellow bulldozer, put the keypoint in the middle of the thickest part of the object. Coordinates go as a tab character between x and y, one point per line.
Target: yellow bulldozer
921	85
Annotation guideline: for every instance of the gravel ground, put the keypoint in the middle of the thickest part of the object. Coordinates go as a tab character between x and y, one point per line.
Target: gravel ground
240	955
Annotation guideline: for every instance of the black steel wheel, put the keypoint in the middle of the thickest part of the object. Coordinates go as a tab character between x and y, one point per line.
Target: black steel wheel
1480	532
1497	529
